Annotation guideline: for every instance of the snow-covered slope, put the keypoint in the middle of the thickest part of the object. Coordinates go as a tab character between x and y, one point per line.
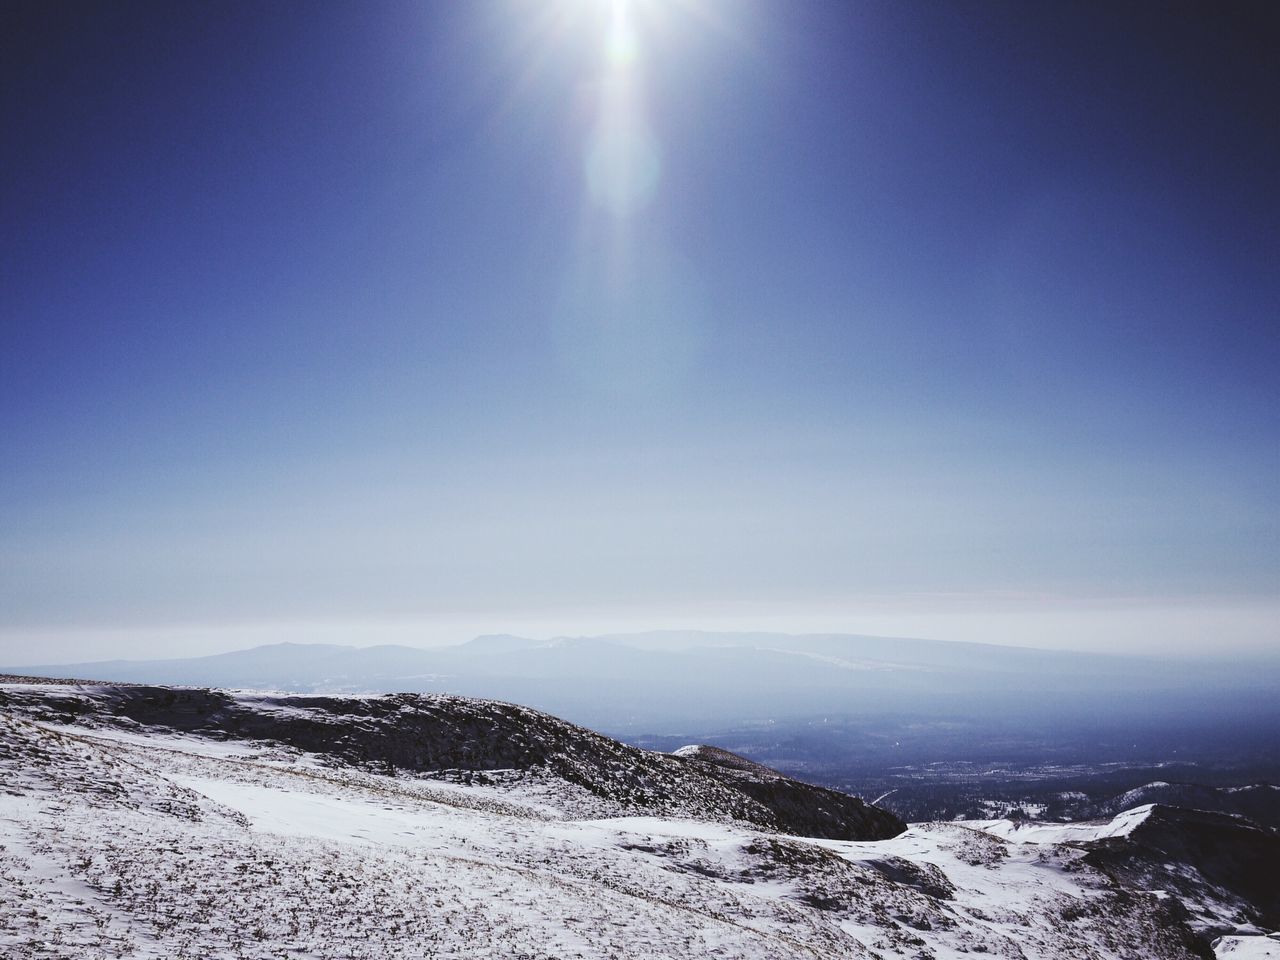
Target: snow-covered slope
140	840
1031	831
470	740
1260	802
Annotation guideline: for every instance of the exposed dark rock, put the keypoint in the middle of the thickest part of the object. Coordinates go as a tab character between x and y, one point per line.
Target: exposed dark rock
807	810
1259	802
925	877
433	733
1230	859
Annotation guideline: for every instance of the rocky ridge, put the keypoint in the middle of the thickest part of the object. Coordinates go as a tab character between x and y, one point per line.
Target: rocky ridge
468	740
177	822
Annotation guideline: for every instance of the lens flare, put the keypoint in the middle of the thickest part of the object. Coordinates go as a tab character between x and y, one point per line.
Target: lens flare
631	319
623	159
623	165
622	48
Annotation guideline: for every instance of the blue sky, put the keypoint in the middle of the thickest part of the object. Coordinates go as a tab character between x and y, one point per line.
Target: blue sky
415	321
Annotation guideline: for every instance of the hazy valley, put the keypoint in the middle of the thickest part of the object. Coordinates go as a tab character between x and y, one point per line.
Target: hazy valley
938	729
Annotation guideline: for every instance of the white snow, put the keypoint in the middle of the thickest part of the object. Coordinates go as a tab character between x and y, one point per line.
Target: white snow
148	845
1031	831
1247	948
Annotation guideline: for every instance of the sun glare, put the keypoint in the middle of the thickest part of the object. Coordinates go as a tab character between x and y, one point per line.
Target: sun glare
623	159
621	47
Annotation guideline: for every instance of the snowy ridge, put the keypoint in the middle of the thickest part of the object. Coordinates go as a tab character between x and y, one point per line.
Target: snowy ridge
470	741
153	842
1258	802
1030	831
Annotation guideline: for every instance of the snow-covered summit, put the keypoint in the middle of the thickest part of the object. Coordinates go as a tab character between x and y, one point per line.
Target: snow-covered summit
1030	831
469	740
165	823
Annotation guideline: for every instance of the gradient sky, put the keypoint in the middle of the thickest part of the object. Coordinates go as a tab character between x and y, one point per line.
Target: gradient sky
412	321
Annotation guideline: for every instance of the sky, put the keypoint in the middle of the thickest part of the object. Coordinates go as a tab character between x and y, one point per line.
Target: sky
405	322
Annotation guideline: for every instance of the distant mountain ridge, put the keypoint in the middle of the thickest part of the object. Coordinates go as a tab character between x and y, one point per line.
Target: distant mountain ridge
681	679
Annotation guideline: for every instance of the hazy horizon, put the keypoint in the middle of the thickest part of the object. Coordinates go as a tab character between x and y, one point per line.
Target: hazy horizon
1164	633
400	322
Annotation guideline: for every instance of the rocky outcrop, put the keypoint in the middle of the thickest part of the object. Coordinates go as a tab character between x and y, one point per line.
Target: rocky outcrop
1224	863
807	810
428	734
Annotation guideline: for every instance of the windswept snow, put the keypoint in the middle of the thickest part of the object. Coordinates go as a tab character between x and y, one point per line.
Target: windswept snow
1247	948
151	845
1030	831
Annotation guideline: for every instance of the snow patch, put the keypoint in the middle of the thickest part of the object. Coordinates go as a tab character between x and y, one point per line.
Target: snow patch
1050	833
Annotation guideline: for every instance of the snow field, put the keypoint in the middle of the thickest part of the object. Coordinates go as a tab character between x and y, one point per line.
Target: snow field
142	845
